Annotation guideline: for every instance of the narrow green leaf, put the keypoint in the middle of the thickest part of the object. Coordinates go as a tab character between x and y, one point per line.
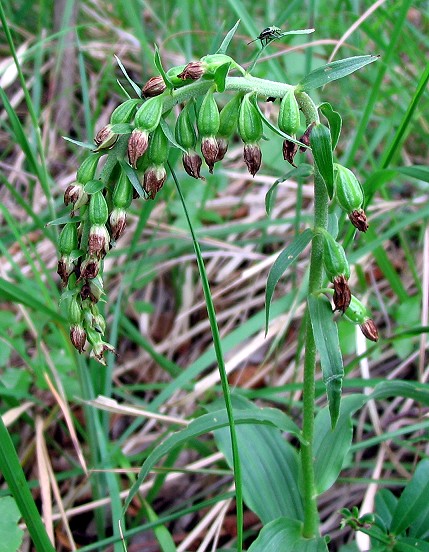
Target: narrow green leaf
170	136
302	171
220	76
386	389
162	534
94	186
413	500
408	544
285	534
132	175
334	120
159	66
210	422
385	504
421	172
327	343
321	145
276	130
297	32
63	220
225	42
86	145
283	261
333	71
134	86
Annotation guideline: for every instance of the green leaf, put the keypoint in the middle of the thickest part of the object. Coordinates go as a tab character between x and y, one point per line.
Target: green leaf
415	391
334	120
134	86
302	171
385	504
210	422
86	145
276	130
10	533
94	186
283	261
269	467
321	145
421	172
333	71
121	128
220	76
158	64
170	136
408	544
64	220
285	534
413	500
326	338
132	175
225	42
332	445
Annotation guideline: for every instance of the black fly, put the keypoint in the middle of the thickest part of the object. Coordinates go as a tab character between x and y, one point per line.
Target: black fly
267	35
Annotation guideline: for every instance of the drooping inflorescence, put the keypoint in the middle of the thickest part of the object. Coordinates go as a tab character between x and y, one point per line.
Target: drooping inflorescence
137	141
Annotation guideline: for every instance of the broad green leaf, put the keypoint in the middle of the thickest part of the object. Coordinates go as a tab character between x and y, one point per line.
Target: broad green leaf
285	535
159	66
210	422
333	71
332	445
413	500
132	175
283	261
421	172
94	186
301	171
10	533
269	467
385	504
408	544
334	120
321	145
325	333
220	76
225	42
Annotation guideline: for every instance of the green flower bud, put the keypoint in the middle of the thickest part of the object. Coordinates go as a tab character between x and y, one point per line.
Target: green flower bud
123	192
86	171
154	87
149	114
67	241
348	191
74	313
212	61
124	112
228	121
92	290
98	210
334	258
358	314
105	138
249	121
289	120
208	116
99	347
194	70
184	131
158	147
173	75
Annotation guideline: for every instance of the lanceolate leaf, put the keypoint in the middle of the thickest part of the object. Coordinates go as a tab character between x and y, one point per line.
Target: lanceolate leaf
421	172
283	261
158	64
321	144
326	337
132	175
286	534
220	76
333	71
225	43
334	120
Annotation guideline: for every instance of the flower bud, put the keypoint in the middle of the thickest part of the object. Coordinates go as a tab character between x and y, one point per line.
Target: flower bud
124	112
359	220
342	293
137	145
208	120
348	191
118	222
97	320
158	147
99	347
76	195
194	70
369	330
98	210
149	114
305	138
334	258
228	119
87	169
358	314
74	314
105	138
289	151
173	76
223	148
288	120
184	130
65	268
210	151
249	121
98	241
154	87
123	192
192	164
67	241
153	181
252	157
89	268
78	337
92	290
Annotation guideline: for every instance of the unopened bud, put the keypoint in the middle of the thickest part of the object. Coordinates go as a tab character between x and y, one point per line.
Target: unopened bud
123	192
192	164
359	220
359	314
124	112
223	148
342	294
99	347
228	120
252	157
98	241
157	152
154	87
348	191
249	121
289	151
194	70
92	290
210	151
288	120
105	138
149	114
89	268
68	241
76	195
369	330
184	130
118	222
137	146
154	178
65	268
98	211
78	337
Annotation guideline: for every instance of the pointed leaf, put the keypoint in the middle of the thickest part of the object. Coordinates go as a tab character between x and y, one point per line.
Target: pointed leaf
63	220
285	534
326	337
220	76
333	71
225	43
94	186
334	120
408	544
283	261
421	172
158	64
385	504
132	175
321	145
416	391
129	79
121	128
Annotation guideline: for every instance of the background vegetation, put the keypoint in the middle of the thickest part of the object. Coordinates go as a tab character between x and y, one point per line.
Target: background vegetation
80	455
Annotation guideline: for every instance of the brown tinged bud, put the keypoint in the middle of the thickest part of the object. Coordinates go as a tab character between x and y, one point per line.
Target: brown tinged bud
89	268
65	268
359	220
154	178
305	138
223	148
118	222
369	330
78	337
98	241
92	290
137	146
192	164
154	87
210	151
289	151
194	70
252	157
105	138
342	294
76	195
